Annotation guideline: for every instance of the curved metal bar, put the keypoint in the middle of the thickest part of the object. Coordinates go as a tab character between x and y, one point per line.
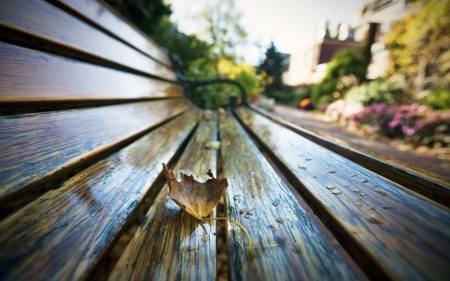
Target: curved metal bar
196	83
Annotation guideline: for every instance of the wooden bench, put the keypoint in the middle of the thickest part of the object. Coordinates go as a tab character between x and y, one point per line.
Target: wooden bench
91	108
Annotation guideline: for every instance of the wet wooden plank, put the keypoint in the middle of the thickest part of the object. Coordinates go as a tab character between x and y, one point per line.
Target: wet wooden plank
110	20
426	183
32	76
391	232
171	244
65	234
36	147
41	25
287	243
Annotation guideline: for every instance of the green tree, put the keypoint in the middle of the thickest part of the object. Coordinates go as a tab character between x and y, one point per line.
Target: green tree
419	45
222	29
271	69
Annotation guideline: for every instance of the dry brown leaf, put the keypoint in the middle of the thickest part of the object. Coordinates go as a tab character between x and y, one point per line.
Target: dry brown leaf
196	198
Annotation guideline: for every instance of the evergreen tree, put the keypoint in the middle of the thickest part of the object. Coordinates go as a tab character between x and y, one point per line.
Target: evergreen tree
271	69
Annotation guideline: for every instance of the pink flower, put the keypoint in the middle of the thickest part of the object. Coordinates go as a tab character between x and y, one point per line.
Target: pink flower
408	130
395	122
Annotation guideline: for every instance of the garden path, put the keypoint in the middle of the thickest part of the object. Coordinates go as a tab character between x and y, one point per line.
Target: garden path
374	147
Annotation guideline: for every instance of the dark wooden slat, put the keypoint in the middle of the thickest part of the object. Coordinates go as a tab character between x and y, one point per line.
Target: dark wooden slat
287	243
102	15
41	25
171	244
36	147
391	232
428	184
65	234
32	76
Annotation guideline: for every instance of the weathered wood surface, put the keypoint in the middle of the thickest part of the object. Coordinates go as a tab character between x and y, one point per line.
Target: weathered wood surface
287	243
108	19
35	147
41	25
428	184
171	244
391	232
65	234
32	76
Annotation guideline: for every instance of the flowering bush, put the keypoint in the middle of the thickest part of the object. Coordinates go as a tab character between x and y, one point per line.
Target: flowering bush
416	123
374	92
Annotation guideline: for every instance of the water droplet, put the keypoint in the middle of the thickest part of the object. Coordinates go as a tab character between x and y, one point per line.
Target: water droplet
242	211
271	226
372	208
280	220
359	203
375	220
251	173
332	171
357	190
337	192
237	197
313	177
363	194
302	167
364	181
353	176
382	192
308	159
276	202
347	186
331	187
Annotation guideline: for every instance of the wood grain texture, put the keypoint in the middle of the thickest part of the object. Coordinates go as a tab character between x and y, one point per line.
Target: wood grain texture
108	19
32	76
171	244
391	232
287	243
428	184
29	20
64	234
35	147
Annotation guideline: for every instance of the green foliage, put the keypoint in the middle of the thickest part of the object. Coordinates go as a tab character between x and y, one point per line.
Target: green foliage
272	70
419	45
290	97
214	56
223	30
343	64
377	91
439	99
213	96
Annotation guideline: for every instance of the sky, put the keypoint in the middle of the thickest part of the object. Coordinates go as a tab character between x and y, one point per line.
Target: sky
291	24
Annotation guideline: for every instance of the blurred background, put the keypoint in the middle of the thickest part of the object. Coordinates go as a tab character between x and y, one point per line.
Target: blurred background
378	69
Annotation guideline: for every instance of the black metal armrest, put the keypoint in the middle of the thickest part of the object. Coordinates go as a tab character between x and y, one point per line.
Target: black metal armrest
192	83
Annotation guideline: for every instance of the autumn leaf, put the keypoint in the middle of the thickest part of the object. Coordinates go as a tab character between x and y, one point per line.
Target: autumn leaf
196	198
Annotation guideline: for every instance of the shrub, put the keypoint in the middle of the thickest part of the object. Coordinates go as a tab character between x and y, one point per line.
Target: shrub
417	123
439	99
374	92
343	64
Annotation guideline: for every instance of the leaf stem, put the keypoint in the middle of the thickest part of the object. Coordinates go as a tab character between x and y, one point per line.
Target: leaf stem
250	242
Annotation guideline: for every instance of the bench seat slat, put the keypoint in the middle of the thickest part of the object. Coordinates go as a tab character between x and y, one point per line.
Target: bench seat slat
35	147
171	244
106	17
392	233
426	183
32	76
30	20
65	234
288	245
